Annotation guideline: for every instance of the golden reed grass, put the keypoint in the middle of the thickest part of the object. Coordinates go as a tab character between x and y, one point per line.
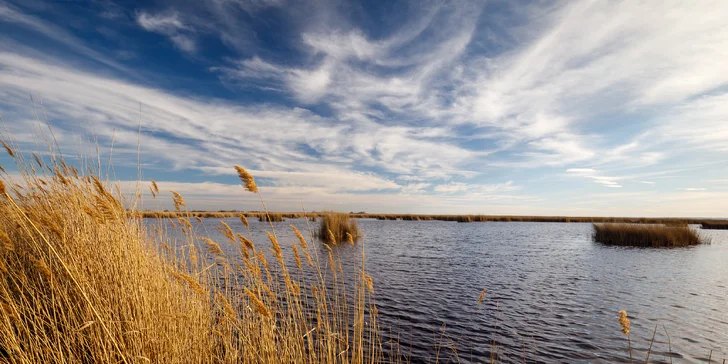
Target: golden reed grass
455	218
715	224
673	235
336	227
83	279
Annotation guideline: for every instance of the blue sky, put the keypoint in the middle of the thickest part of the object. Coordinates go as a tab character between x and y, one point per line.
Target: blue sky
614	108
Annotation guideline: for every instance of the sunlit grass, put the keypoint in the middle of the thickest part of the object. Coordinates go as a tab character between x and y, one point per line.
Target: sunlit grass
84	279
671	235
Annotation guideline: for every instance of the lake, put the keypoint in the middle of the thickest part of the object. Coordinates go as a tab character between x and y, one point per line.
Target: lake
553	295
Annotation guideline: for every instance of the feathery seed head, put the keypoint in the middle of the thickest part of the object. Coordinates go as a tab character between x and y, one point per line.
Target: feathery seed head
5	241
300	237
212	246
7	148
244	220
178	200
297	256
245	242
276	247
2	188
258	305
369	283
227	231
247	179
154	186
624	321
482	295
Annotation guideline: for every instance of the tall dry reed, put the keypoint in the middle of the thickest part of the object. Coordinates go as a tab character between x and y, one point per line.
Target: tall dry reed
674	235
337	227
84	280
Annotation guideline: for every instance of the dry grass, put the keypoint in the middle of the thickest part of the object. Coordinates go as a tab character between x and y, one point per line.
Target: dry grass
272	217
675	235
456	218
336	227
82	282
84	279
715	224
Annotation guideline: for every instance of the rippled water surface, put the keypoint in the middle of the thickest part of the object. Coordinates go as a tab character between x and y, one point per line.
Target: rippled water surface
552	294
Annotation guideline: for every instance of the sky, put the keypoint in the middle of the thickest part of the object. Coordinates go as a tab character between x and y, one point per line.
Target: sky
588	108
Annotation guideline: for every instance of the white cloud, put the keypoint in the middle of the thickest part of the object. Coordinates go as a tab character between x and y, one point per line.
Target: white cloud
693	189
171	25
586	171
212	135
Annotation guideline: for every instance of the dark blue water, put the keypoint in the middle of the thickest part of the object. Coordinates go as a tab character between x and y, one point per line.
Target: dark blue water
553	295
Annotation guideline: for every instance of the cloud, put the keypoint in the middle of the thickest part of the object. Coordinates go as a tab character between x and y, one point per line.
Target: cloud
211	135
590	173
586	171
435	100
171	25
692	189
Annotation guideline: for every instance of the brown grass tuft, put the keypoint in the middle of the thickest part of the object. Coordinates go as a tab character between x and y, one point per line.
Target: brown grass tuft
8	149
715	224
624	322
212	246
179	202
482	296
334	228
258	305
247	179
675	235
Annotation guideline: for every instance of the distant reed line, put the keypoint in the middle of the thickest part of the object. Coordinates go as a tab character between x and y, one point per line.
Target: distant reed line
707	223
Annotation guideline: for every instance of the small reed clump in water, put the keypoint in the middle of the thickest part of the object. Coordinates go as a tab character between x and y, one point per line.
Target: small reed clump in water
271	216
717	224
647	235
336	227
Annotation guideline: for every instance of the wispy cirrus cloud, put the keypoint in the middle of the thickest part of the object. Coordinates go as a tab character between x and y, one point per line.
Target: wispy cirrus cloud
448	101
171	25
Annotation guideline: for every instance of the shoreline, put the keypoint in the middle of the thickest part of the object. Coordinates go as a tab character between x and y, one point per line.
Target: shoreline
433	217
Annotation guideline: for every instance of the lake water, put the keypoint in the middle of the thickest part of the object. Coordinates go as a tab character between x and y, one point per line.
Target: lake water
553	295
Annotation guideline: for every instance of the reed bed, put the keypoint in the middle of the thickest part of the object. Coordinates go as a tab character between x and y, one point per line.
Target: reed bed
271	217
455	218
715	224
83	280
336	227
675	235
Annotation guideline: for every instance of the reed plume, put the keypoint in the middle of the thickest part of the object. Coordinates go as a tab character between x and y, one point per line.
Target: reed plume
244	220
247	179
8	149
212	246
482	295
300	237
155	188
178	200
258	305
624	321
5	241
